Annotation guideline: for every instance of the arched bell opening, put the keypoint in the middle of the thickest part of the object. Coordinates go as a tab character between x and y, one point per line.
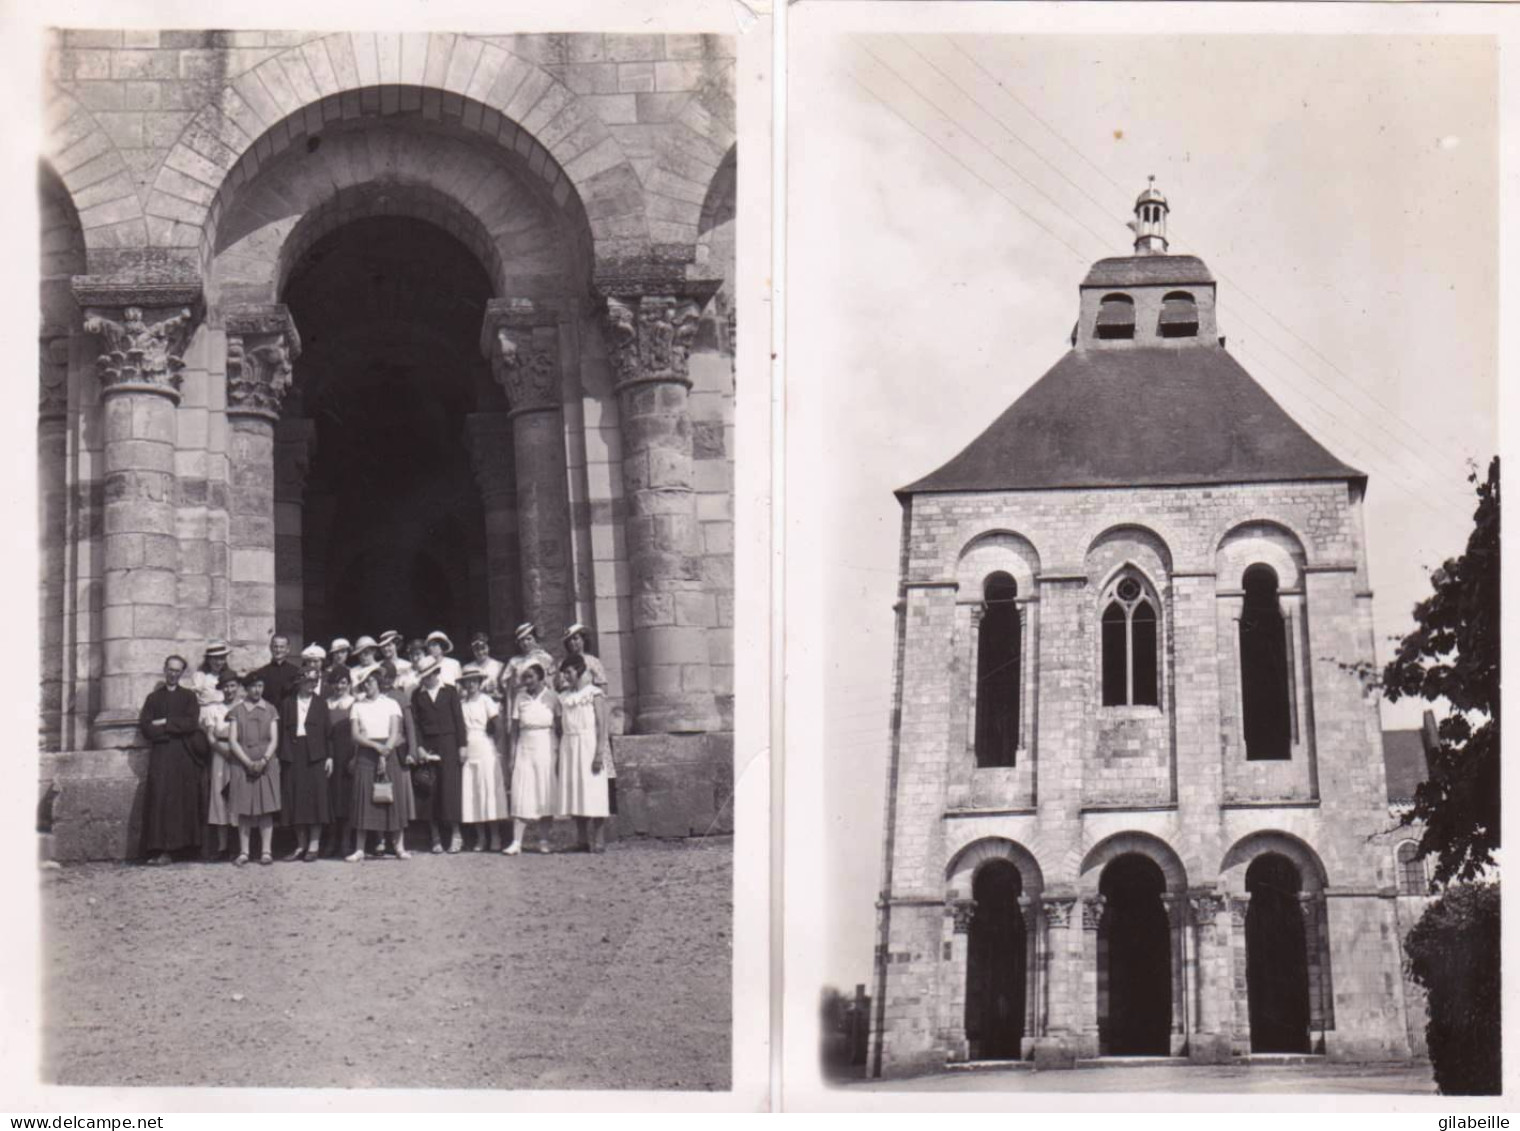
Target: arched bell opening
1134	960
1277	957
997	973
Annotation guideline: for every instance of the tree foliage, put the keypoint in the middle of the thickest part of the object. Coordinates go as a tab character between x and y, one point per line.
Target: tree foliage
1454	954
1453	654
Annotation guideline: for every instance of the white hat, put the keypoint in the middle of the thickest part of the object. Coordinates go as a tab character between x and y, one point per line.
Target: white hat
387	636
313	651
437	634
340	644
527	628
427	666
365	642
361	673
473	671
217	648
576	629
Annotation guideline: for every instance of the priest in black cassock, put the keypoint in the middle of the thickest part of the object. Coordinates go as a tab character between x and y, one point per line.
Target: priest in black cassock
174	814
280	676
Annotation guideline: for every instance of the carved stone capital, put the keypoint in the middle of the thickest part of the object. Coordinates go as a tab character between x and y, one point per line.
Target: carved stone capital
488	439
520	337
1092	911
649	338
1058	909
1205	907
262	345
1239	906
144	328
962	911
53	373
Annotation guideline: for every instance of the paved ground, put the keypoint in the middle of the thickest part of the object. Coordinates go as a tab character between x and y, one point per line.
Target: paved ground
1315	1079
561	971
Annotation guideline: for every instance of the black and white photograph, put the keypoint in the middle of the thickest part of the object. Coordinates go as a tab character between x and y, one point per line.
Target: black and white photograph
1153	616
386	456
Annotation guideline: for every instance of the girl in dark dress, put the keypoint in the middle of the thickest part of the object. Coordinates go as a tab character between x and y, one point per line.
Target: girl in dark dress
174	812
340	748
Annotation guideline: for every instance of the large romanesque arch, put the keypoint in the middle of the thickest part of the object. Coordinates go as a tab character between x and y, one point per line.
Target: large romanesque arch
585	213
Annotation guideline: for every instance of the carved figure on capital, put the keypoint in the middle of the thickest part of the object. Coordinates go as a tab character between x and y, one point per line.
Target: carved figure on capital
521	340
962	911
1205	908
1239	906
140	352
649	338
1092	911
262	345
1058	909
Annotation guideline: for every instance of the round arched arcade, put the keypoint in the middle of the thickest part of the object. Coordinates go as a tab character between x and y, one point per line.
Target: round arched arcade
397	331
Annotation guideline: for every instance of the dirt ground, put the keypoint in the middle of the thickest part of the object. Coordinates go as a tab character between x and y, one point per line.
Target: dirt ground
469	971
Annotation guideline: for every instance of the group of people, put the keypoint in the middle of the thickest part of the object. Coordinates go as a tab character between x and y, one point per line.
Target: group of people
359	740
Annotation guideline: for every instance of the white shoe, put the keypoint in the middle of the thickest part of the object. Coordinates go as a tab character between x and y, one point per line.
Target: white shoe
511	850
355	857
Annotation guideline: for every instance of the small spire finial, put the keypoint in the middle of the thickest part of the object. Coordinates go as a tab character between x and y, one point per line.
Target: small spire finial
1149	224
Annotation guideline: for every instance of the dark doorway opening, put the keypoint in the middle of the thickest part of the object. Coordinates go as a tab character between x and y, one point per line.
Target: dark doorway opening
393	533
997	965
1277	957
1134	960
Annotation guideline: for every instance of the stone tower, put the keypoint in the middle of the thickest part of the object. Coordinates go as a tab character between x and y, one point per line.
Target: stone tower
1131	778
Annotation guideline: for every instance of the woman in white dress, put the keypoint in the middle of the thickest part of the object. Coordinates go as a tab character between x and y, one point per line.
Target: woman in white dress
485	787
535	713
214	723
377	727
582	788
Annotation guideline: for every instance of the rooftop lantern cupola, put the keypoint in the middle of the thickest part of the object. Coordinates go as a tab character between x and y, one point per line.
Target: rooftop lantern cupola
1149	224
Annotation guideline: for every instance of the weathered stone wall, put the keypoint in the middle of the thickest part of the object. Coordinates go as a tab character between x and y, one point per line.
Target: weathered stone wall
1170	781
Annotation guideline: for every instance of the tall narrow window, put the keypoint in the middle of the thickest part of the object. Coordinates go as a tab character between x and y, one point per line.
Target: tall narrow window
1412	878
1130	644
998	675
1116	317
1264	669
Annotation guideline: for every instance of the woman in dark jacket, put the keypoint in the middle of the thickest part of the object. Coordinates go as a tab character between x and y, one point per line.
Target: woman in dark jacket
440	732
175	810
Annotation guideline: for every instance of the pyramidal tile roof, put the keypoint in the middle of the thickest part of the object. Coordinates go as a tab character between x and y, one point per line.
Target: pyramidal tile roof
1145	416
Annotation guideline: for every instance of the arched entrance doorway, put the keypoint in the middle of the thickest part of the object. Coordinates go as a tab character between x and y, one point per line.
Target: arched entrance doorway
996	964
1277	965
392	530
1134	960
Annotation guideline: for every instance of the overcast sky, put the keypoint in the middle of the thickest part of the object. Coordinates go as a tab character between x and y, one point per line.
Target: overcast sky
948	194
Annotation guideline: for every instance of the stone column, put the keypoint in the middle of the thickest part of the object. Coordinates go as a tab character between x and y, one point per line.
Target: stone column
650	327
960	912
1063	972
261	345
1092	919
52	522
488	436
295	442
1211	1043
1239	1015
521	337
144	331
1182	989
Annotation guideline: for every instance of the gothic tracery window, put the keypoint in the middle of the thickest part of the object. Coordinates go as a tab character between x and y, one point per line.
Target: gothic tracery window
999	683
1130	644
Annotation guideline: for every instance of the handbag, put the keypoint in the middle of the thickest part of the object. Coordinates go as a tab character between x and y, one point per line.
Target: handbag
422	780
381	791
